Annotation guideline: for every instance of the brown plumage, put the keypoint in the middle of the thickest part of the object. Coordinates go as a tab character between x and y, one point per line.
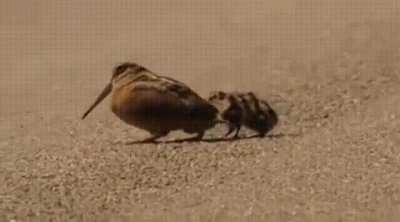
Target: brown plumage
155	103
244	109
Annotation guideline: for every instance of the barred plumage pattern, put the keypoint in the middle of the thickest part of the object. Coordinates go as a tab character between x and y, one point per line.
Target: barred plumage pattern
244	109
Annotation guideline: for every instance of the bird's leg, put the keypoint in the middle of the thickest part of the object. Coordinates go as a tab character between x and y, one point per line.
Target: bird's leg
153	138
264	132
232	127
237	132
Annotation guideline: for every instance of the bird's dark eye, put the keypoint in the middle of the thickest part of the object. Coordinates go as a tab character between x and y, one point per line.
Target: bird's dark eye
120	69
125	66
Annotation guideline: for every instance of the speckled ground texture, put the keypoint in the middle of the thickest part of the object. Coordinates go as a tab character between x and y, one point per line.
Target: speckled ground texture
331	70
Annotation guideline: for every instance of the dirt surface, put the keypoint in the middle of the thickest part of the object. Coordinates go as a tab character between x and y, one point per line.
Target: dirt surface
331	70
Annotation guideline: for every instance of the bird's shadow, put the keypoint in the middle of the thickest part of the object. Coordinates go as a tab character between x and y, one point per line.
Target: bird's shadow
212	140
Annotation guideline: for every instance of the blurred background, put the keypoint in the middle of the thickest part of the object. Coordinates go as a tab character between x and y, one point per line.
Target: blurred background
57	55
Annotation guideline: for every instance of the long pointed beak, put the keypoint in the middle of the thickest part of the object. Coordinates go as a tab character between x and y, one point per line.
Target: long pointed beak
100	98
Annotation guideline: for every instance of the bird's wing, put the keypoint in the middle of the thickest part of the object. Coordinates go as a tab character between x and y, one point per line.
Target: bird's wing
166	85
195	106
198	108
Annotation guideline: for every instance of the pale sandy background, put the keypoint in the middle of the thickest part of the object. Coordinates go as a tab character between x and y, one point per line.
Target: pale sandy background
331	69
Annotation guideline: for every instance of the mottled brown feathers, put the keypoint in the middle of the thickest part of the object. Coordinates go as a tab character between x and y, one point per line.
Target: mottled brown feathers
155	103
123	67
160	104
244	109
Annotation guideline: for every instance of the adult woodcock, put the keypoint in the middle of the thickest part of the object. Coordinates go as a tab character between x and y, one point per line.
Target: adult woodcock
155	103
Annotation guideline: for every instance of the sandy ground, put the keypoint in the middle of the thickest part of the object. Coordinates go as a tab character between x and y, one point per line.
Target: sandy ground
331	70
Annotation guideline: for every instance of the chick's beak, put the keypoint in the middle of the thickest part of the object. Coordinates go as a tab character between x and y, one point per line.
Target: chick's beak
100	98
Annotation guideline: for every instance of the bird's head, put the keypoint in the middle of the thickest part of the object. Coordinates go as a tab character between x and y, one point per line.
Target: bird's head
124	70
121	72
